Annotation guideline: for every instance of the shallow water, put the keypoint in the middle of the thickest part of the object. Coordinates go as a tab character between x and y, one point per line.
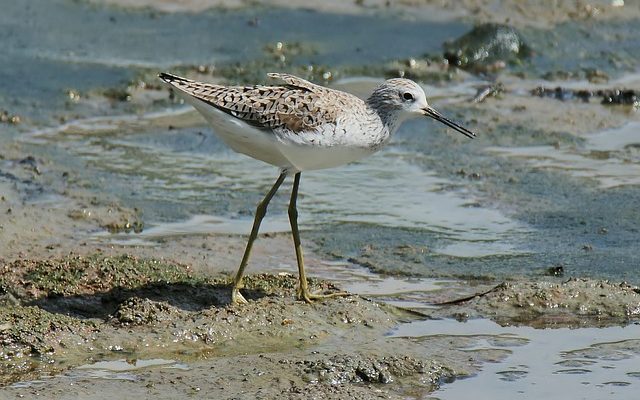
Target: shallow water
123	370
611	157
351	196
589	363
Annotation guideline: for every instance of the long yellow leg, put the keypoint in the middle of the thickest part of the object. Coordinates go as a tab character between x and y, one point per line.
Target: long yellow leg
261	210
303	289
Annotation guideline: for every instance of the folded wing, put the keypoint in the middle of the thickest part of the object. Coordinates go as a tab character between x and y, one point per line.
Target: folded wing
297	106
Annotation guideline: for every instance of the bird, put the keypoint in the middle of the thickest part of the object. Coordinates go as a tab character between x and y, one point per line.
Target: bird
299	126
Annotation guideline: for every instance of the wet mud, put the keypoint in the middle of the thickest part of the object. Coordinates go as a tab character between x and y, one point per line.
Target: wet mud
61	314
572	303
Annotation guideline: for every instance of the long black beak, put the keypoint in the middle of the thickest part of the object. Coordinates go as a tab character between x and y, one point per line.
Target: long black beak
430	112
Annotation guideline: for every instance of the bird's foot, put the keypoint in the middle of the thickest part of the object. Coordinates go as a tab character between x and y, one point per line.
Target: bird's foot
307	297
237	297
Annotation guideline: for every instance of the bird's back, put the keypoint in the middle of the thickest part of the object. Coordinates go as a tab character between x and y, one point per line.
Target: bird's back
297	106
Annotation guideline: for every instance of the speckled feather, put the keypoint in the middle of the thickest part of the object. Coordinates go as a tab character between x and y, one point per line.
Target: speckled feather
298	106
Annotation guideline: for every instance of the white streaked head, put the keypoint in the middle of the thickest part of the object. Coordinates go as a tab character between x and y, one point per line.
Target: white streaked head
402	97
399	99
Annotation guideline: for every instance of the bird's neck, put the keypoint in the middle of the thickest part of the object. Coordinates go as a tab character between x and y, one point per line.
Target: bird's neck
391	120
389	117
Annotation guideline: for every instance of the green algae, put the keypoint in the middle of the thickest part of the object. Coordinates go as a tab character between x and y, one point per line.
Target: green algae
34	327
36	332
32	279
30	336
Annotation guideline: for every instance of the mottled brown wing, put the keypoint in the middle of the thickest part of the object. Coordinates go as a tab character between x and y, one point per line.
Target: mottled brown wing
298	106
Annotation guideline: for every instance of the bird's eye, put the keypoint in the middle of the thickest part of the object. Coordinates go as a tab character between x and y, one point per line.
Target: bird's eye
407	96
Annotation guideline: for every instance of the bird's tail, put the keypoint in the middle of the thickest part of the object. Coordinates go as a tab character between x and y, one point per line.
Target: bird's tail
172	79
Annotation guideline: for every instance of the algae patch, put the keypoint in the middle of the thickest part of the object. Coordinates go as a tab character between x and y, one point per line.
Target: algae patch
29	338
40	326
75	275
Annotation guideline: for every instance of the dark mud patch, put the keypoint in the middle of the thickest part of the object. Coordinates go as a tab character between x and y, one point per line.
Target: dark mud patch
573	303
358	369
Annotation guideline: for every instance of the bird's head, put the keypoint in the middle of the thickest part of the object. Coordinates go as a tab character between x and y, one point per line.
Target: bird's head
401	99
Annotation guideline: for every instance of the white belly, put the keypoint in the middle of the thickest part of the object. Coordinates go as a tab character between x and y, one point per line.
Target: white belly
241	137
263	145
306	158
